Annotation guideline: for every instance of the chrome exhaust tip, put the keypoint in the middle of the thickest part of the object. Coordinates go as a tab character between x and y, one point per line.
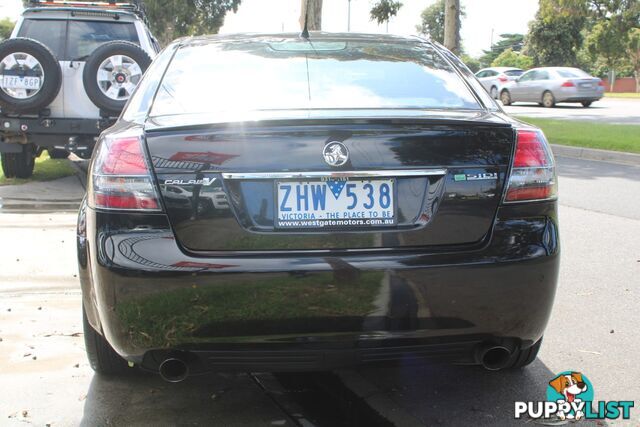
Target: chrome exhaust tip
174	370
494	357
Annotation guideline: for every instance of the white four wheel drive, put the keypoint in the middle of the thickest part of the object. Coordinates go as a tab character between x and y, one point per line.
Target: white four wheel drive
65	75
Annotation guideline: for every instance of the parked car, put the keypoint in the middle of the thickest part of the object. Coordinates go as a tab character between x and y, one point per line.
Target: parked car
65	74
494	78
550	85
380	206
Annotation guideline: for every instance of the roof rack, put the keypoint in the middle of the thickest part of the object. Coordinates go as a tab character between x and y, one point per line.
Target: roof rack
134	6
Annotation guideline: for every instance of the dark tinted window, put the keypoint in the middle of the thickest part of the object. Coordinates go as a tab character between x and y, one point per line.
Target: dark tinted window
514	73
256	75
86	36
51	33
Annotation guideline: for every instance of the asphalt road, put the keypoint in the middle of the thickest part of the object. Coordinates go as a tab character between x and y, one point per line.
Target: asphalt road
594	325
594	329
607	110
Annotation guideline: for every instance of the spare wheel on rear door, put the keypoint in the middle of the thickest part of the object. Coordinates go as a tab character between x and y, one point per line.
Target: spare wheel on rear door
112	73
30	75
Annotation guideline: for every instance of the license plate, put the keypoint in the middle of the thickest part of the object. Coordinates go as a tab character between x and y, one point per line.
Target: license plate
586	85
336	203
15	82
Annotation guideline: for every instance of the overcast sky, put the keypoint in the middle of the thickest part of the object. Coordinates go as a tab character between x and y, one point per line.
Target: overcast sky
503	16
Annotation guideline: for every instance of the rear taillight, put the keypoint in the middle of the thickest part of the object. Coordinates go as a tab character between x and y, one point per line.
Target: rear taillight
568	83
533	175
503	79
120	176
601	83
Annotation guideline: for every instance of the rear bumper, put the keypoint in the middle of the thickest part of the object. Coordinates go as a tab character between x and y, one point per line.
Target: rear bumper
581	99
51	132
321	310
54	126
573	95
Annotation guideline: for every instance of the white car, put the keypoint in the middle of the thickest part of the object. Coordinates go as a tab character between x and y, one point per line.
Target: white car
65	75
494	78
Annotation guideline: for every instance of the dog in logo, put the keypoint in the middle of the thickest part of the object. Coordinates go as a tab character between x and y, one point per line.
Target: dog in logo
569	386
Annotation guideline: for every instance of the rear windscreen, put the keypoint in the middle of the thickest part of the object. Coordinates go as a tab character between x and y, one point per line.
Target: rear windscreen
80	39
87	36
514	73
49	32
572	73
257	75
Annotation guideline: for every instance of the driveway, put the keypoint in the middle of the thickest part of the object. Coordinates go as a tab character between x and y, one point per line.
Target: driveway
593	329
607	110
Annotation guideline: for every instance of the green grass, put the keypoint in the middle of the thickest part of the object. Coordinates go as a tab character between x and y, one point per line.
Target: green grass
631	95
46	170
591	135
248	307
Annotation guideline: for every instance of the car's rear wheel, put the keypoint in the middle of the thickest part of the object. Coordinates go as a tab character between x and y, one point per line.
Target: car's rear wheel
548	100
586	104
494	92
524	357
30	76
56	153
102	357
505	97
19	165
112	73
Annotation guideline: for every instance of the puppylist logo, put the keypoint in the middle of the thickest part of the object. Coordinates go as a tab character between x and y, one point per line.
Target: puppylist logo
570	397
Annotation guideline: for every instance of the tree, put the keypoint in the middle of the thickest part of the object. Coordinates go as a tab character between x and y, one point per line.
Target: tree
608	42
555	40
384	10
432	21
6	27
565	8
170	19
609	36
633	50
512	41
605	25
473	64
509	58
312	15
452	25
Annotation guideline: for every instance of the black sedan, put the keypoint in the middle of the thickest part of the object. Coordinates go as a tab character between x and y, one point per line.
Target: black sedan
277	203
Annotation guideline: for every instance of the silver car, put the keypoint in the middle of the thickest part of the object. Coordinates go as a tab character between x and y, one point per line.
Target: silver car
494	78
549	85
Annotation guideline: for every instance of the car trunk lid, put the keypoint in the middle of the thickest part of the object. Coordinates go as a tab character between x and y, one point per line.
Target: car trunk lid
222	183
